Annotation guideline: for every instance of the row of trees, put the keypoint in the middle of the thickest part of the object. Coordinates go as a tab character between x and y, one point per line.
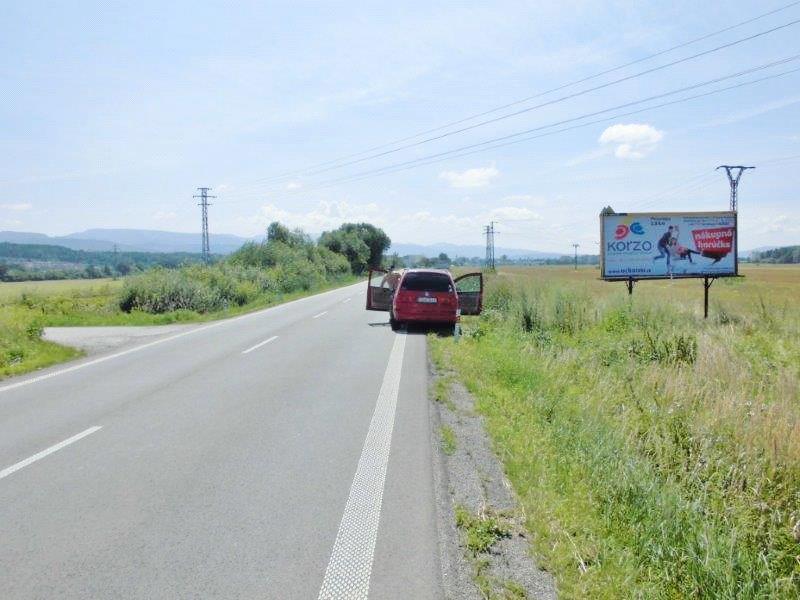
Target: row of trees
784	255
360	244
353	247
34	262
287	261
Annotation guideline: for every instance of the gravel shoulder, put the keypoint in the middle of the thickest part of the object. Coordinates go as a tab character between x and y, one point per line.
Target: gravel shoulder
97	340
469	477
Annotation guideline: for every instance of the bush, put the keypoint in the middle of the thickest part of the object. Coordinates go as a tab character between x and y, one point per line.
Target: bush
162	290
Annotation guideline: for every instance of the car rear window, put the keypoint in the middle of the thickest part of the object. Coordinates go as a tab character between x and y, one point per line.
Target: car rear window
426	282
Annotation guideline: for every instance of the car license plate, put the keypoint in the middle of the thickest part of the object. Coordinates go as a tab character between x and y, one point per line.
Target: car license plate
425	300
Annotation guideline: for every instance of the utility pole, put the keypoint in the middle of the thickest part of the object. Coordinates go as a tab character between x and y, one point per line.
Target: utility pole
576	255
489	231
206	249
734	181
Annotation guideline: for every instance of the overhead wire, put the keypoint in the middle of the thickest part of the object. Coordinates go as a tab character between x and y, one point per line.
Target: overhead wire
551	90
503	141
508	139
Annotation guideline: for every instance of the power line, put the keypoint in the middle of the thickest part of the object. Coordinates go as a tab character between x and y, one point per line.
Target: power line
504	140
549	91
734	181
206	247
489	231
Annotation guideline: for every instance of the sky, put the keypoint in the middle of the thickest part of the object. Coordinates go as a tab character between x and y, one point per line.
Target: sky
112	114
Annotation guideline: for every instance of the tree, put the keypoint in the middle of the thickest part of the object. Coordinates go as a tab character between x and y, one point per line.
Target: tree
350	245
363	244
278	233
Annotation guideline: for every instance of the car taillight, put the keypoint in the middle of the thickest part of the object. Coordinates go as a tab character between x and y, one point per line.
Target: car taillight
405	297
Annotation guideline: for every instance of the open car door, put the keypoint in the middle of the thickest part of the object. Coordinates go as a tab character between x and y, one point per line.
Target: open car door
379	290
469	288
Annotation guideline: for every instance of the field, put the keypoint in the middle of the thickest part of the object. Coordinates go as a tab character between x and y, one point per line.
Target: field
655	454
10	291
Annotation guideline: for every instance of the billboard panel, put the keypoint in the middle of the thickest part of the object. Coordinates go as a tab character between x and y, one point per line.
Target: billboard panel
661	245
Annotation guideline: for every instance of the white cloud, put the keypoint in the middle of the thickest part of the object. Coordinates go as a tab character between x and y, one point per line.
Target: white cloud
513	213
526	199
164	215
471	178
18	207
468	223
326	215
633	141
294	185
778	224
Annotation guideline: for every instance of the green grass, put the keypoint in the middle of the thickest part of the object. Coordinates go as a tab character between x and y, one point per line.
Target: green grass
449	443
27	307
481	532
656	454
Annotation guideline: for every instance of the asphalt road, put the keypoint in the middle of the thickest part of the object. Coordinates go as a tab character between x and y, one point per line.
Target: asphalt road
282	454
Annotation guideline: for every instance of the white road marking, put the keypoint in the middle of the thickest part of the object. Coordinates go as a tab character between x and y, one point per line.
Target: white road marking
258	345
350	567
346	300
102	359
32	459
324	312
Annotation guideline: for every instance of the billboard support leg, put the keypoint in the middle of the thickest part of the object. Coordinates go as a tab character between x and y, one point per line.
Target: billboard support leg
630	286
707	281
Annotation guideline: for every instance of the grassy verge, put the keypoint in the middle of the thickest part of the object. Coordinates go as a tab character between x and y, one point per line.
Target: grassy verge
26	308
655	454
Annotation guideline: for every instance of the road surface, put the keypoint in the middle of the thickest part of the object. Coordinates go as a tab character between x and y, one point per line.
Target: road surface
281	454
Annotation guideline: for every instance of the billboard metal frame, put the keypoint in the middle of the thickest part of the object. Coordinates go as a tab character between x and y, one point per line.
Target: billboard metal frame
708	279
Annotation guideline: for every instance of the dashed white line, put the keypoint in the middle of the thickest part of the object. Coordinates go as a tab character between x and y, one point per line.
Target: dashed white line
346	300
258	345
40	455
350	567
324	312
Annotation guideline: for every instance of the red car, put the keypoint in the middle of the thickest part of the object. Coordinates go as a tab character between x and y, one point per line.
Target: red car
424	295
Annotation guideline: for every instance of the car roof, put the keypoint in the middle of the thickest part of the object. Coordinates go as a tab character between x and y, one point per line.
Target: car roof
434	271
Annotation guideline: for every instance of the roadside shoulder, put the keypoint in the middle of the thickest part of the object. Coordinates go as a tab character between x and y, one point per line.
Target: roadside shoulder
484	545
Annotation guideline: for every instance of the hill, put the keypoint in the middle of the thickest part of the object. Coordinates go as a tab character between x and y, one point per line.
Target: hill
468	251
130	240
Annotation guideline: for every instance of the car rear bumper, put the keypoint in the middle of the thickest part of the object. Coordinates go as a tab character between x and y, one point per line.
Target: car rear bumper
425	316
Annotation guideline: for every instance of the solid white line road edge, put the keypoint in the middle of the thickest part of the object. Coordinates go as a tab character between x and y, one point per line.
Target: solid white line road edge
102	359
324	312
350	567
40	455
258	345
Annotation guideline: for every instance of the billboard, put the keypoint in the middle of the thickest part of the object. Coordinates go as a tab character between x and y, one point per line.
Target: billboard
666	245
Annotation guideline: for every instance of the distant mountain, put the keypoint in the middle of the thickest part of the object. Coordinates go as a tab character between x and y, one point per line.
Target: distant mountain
130	240
468	251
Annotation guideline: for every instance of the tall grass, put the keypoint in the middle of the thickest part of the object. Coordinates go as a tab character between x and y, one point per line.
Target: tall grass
656	454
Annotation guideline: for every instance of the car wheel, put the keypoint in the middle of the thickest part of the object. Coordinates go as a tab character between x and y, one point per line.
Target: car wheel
393	323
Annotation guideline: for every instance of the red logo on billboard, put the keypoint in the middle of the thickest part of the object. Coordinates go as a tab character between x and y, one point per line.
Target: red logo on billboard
714	243
621	232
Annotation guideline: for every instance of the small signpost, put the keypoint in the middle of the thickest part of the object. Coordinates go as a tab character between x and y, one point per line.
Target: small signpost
638	246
